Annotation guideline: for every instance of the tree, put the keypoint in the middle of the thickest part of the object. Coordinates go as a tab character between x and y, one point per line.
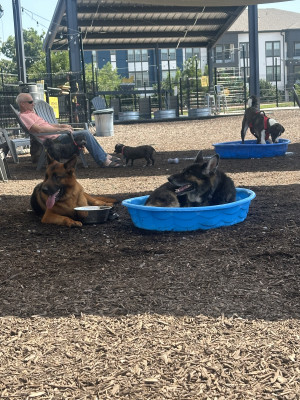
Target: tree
60	61
33	48
267	91
105	78
108	78
59	64
35	58
188	77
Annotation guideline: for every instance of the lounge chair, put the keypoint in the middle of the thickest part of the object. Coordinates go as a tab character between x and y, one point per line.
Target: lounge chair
45	111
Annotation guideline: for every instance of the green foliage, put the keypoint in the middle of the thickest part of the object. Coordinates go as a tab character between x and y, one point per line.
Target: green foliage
165	85
7	66
189	69
267	91
60	61
108	78
35	58
105	78
188	79
33	43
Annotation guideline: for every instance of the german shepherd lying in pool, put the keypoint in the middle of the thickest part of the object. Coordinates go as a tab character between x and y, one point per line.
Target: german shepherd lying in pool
56	197
202	184
163	196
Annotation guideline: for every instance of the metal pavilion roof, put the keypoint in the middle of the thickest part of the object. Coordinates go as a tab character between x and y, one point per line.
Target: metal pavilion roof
112	25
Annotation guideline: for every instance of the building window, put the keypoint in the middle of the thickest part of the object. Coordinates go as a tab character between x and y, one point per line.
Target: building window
228	52
138	66
247	71
219	54
297	74
224	53
168	54
244	47
113	59
165	74
272	49
168	63
273	69
271	73
192	52
296	49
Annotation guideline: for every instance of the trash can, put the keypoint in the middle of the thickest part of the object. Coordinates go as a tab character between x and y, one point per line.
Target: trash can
35	89
104	122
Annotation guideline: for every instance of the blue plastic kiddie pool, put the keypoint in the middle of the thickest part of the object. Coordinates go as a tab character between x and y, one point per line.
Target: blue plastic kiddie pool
250	149
189	218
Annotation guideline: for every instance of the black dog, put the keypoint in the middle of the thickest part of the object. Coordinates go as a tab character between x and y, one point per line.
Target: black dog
203	184
64	151
163	196
260	125
134	153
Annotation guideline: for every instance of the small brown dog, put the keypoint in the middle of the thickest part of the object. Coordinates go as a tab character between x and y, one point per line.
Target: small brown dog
134	153
56	197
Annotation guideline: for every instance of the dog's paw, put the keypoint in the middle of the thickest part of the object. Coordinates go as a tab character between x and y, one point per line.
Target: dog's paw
71	223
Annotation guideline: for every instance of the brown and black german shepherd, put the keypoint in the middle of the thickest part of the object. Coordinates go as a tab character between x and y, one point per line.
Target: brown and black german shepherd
163	196
202	184
56	197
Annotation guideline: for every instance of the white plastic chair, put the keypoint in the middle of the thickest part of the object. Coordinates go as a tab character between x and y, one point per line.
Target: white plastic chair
221	98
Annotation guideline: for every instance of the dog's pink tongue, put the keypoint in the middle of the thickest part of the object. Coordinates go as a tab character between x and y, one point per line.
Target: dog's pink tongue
51	200
182	188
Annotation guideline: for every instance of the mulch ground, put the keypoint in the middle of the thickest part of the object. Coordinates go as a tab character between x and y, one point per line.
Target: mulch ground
110	311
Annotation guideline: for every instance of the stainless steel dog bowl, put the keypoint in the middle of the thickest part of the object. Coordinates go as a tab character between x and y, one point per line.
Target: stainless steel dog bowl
96	214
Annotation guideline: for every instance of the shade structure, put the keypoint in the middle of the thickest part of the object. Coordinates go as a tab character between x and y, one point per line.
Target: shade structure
110	24
211	3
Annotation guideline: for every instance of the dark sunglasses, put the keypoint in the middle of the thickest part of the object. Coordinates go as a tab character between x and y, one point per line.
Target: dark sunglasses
30	102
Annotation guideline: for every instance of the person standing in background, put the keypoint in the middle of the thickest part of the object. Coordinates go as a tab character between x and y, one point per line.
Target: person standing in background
74	100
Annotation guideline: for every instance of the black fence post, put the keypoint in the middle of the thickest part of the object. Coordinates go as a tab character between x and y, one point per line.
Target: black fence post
188	93
276	82
197	87
181	102
245	78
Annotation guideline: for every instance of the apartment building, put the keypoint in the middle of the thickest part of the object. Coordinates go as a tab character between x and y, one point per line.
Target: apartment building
278	44
279	52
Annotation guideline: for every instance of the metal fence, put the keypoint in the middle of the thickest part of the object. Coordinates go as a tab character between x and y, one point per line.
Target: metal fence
228	95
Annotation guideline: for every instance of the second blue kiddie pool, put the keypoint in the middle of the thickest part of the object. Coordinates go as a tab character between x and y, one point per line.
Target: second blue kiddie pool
250	149
189	218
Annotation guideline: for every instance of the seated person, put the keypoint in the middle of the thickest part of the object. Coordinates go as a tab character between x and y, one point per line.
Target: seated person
36	124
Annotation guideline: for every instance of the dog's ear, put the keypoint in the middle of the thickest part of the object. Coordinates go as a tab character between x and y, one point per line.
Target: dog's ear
71	163
199	158
50	160
212	165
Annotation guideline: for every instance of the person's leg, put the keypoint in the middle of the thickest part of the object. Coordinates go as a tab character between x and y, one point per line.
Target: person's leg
64	138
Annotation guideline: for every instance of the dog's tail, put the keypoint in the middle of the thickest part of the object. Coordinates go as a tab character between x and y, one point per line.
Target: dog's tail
252	102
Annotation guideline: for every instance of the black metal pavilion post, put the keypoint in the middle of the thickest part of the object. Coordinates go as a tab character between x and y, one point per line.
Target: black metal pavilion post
19	41
253	51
